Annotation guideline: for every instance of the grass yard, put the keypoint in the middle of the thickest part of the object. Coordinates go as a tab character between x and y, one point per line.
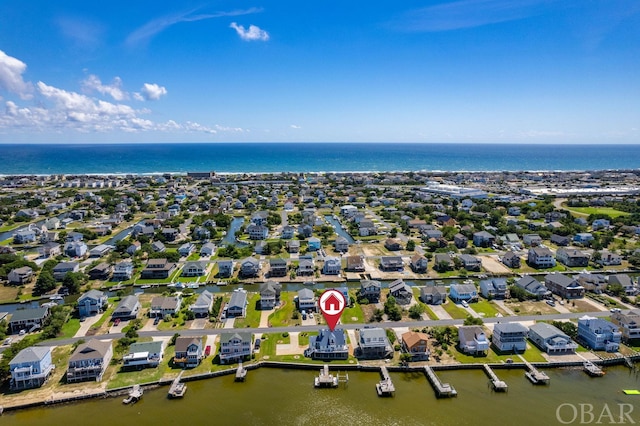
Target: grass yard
455	311
70	328
486	308
8	293
252	318
281	317
353	314
586	211
531	308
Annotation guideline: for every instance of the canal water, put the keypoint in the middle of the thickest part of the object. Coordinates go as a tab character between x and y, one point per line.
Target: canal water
287	397
337	226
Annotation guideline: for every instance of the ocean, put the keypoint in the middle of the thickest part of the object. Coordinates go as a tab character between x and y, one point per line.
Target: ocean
18	159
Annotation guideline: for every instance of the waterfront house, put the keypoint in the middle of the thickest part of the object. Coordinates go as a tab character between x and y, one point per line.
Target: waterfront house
293	246
416	344
237	306
162	306
74	237
509	337
419	263
533	287
101	271
625	281
540	257
208	249
91	303
391	263
257	232
560	240
483	239
305	230
564	286
355	264
278	267
89	361
143	355
332	266
158	247
202	306
629	323
31	367
460	292
401	291
62	268
270	294
250	267
186	249
328	345
531	240
572	257
551	339
24	236
583	238
235	346
433	294
373	343
511	259
341	245
100	250
75	248
314	244
20	276
494	288
50	249
128	308
28	319
599	334
306	266
225	268
194	268
367	228
189	351
122	271
609	259
370	290
470	263
595	283
306	300
460	241
170	234
157	269
472	340
442	262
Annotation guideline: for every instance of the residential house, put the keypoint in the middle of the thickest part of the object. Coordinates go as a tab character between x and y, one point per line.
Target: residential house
143	355
158	247
572	257
278	267
367	228
250	267
332	265
328	345
472	339
551	339
189	351
391	263
100	250
202	306
393	244
270	294
355	264
306	266
401	291
483	239
460	241
293	246
31	367
20	276
595	283
609	259
162	306
494	288
560	240
306	300
28	319
288	232
373	343
134	248
225	268
314	244
416	344
89	361
50	249
460	292
540	257
533	287
101	271
341	245
629	323
370	290
511	259
128	308
433	294
157	269
532	240
62	268
208	249
170	234
257	232
583	238
24	236
470	263
442	262
122	271
564	286
419	263
194	268
305	230
509	337
600	224
75	248
186	249
625	281
237	306
235	346
599	334
91	303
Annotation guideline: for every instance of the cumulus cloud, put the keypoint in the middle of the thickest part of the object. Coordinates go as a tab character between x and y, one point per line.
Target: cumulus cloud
293	126
11	70
145	33
150	92
92	83
251	34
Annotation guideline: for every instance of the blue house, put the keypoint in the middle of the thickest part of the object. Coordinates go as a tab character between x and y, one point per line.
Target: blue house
31	367
599	334
91	303
328	345
583	238
460	292
314	244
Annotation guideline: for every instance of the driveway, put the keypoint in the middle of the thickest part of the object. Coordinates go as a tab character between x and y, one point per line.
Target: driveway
440	312
86	325
292	348
198	324
229	323
504	307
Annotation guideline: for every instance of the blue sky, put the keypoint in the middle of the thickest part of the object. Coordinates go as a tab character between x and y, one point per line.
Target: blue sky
534	71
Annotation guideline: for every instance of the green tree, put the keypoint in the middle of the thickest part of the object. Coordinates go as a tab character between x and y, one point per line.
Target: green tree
411	245
45	283
416	311
469	320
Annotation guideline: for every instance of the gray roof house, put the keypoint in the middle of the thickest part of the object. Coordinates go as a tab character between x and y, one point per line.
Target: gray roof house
203	304
391	263
89	361
61	269
551	339
19	276
189	351
237	306
494	288
472	339
564	286
370	290
127	308
235	346
306	300
401	291
250	267
373	343
91	303
31	367
328	345
509	337
225	268
162	306
470	263
625	281
269	294
28	319
278	267
195	268
433	294
419	263
533	287
144	354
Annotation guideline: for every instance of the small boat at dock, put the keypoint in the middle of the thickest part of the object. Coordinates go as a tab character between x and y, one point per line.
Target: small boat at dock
134	395
592	369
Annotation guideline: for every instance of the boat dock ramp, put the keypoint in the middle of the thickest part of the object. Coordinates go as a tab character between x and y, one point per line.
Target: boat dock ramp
497	384
134	395
177	389
328	380
534	375
241	373
385	387
442	389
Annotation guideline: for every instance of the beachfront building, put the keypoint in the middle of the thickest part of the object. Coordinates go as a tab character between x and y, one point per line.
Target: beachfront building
551	339
89	361
629	323
31	367
157	269
328	345
599	334
235	346
373	343
509	337
401	291
144	355
122	271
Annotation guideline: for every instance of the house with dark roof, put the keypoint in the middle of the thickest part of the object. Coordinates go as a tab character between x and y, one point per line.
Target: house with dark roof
31	367
419	263
270	294
235	346
572	257
460	241
225	268
162	306
89	361
540	257
483	239
625	281
494	288
401	291
157	269
278	267
189	351
511	259
509	337
355	264
62	268
442	262
391	263
564	286
91	303
128	308
470	263
370	290
250	267
328	345
28	319
332	265
373	343
533	287
433	294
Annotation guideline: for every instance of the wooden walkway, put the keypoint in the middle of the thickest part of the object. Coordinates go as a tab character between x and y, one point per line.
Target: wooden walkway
385	387
442	389
534	375
497	384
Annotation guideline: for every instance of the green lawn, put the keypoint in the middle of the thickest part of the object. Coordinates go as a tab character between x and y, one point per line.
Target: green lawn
586	211
252	318
485	307
455	311
281	317
353	314
70	328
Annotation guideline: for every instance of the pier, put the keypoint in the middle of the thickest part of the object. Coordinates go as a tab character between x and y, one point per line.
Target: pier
326	379
241	373
534	375
497	384
134	395
385	387
177	389
442	389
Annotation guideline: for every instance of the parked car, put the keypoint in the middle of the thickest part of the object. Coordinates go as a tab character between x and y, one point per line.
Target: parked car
116	322
207	350
257	344
156	321
465	304
7	341
550	302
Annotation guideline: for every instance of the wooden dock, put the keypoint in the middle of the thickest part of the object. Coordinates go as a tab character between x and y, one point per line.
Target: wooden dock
497	384
177	389
534	375
134	395
443	390
241	373
385	387
326	379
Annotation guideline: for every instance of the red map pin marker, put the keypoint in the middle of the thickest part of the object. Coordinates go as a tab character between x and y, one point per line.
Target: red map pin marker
332	303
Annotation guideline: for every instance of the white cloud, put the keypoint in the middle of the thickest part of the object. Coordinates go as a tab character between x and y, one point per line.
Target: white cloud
11	70
93	83
253	33
293	126
151	92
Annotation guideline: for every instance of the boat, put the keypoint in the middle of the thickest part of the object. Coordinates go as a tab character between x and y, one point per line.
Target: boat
592	369
631	391
193	285
309	283
134	395
221	283
145	286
